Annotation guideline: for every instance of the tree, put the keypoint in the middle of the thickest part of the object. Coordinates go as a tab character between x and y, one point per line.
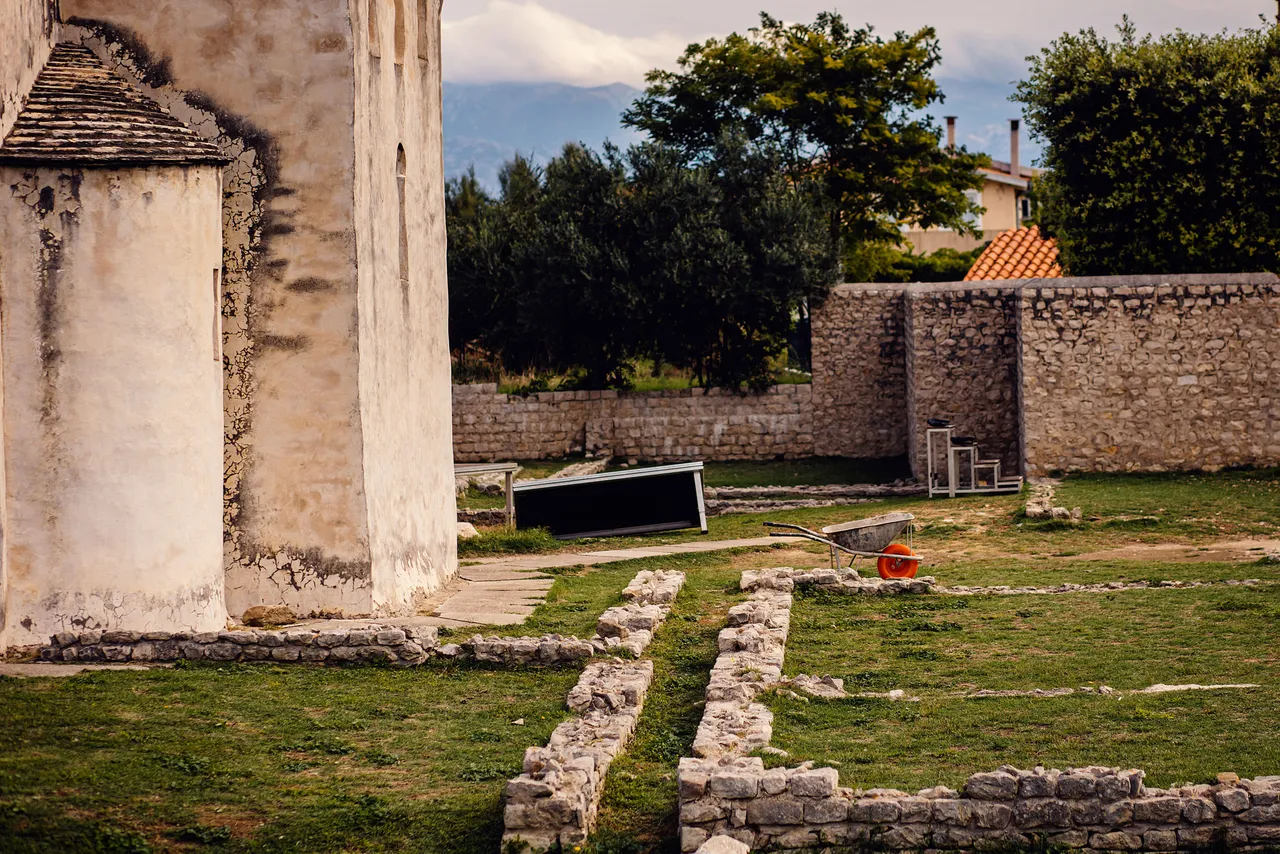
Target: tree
837	102
600	260
1161	153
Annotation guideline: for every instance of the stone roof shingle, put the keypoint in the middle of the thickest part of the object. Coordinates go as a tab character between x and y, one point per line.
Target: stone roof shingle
1019	253
81	112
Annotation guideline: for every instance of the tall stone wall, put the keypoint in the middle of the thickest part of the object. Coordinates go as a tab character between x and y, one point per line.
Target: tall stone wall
656	426
1109	374
962	365
859	373
1151	373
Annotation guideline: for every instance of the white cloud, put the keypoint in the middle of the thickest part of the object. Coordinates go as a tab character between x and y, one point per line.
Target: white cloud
523	41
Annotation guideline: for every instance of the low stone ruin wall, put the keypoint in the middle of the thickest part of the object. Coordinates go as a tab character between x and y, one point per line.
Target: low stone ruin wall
1104	809
843	580
556	799
372	643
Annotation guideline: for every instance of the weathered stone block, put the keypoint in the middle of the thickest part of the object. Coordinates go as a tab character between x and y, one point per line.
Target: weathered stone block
222	651
1159	810
1160	840
701	812
1199	810
1077	785
953	812
1116	841
826	810
778	810
734	784
1232	800
1048	812
992	816
992	786
873	811
818	783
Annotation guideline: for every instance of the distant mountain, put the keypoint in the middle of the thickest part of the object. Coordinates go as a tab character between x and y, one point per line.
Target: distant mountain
485	124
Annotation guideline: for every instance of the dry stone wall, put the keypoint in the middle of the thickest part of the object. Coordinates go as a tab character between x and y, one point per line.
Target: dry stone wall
859	372
373	643
1151	374
1103	809
658	426
1112	374
962	360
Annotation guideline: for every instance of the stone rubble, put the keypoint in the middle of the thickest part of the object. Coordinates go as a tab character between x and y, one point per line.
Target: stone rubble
843	580
749	663
556	799
372	643
846	580
1103	809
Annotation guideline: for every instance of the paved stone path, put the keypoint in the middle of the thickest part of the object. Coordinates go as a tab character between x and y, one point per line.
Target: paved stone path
504	591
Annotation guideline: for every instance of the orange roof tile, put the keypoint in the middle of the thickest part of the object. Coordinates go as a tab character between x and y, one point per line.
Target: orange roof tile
1020	253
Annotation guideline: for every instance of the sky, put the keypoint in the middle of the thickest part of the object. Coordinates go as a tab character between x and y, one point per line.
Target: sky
597	42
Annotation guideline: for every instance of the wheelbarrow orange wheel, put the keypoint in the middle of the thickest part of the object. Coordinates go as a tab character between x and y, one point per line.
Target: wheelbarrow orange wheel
898	567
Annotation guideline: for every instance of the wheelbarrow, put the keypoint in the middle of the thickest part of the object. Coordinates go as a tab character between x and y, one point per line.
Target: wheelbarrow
871	537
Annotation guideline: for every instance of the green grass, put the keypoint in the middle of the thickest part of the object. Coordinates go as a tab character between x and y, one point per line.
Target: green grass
267	759
1242	502
937	648
507	541
295	758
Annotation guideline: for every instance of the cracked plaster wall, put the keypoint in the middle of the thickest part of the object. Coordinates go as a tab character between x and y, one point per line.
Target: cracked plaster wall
405	386
338	477
111	399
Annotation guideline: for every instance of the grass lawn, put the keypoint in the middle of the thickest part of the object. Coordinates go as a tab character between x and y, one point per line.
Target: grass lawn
937	648
309	759
248	758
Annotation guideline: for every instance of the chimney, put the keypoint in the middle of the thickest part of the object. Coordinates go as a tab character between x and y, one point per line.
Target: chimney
1015	168
951	131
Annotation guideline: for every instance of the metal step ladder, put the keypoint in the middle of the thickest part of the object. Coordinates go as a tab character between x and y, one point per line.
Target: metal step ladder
960	470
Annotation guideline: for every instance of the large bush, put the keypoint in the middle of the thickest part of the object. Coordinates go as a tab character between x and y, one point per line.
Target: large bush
1161	153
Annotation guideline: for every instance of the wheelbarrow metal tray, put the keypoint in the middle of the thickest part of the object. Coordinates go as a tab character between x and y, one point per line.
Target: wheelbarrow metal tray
869	535
615	503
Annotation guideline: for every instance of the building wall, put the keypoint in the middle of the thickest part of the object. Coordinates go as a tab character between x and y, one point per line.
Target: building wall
1151	373
962	365
112	399
405	392
274	83
859	373
1001	202
27	32
656	426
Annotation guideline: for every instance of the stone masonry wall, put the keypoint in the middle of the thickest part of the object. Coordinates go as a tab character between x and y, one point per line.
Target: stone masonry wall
1103	809
1112	374
658	426
962	361
859	373
1151	374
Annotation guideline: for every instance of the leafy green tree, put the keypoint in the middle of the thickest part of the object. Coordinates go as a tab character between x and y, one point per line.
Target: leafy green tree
600	260
836	102
1161	153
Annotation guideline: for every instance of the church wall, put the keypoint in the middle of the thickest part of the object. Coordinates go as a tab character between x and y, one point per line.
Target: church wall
274	84
112	399
27	29
405	390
